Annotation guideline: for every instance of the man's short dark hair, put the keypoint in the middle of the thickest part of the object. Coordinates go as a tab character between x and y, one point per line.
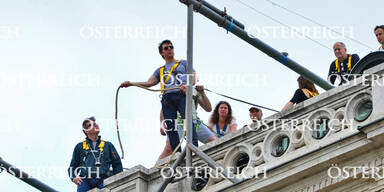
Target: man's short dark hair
162	43
84	125
252	109
379	26
87	120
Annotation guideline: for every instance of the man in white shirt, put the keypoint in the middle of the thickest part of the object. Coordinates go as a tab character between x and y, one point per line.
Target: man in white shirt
379	32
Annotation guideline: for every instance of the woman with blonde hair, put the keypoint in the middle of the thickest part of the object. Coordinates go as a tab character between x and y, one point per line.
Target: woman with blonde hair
305	91
222	122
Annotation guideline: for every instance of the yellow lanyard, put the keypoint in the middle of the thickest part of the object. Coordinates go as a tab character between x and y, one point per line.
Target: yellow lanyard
101	145
313	94
349	64
168	76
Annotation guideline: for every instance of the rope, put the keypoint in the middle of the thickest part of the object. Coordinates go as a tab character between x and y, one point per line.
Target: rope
241	101
117	123
184	130
181	142
155	90
174	151
214	93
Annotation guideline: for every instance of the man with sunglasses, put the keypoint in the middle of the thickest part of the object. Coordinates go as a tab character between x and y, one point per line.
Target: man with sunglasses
93	159
172	75
379	32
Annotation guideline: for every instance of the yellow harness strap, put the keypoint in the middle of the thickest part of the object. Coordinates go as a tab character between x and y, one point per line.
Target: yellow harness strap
85	145
169	74
313	94
349	64
101	146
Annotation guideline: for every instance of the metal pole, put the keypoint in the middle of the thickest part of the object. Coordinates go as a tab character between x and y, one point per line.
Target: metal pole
212	163
222	13
188	107
166	181
24	177
278	56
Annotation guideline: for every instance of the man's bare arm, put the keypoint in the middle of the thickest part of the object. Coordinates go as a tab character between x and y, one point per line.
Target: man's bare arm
149	83
203	100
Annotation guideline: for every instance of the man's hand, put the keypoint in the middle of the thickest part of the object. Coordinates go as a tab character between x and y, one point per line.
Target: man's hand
126	84
163	126
162	131
183	88
77	180
200	89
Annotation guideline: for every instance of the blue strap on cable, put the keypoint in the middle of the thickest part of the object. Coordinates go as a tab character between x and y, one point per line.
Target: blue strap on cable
230	26
284	58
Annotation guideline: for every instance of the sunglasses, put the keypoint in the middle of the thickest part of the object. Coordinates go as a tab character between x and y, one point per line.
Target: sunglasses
91	121
168	47
91	124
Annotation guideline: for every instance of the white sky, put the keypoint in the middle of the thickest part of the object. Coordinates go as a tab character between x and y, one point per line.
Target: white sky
61	61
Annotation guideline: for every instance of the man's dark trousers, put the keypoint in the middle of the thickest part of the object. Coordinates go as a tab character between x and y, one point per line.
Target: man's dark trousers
170	104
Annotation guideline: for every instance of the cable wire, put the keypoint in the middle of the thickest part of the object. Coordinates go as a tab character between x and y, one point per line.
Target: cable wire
265	15
117	123
317	23
241	101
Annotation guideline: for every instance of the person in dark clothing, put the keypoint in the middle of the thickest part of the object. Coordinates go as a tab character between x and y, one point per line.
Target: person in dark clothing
379	32
342	65
93	159
305	91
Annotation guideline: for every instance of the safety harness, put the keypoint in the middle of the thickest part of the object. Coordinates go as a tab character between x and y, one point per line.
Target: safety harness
313	94
197	124
101	146
87	149
196	102
337	64
162	81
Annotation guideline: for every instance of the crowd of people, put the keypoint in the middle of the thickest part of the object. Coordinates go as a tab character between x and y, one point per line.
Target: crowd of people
94	159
